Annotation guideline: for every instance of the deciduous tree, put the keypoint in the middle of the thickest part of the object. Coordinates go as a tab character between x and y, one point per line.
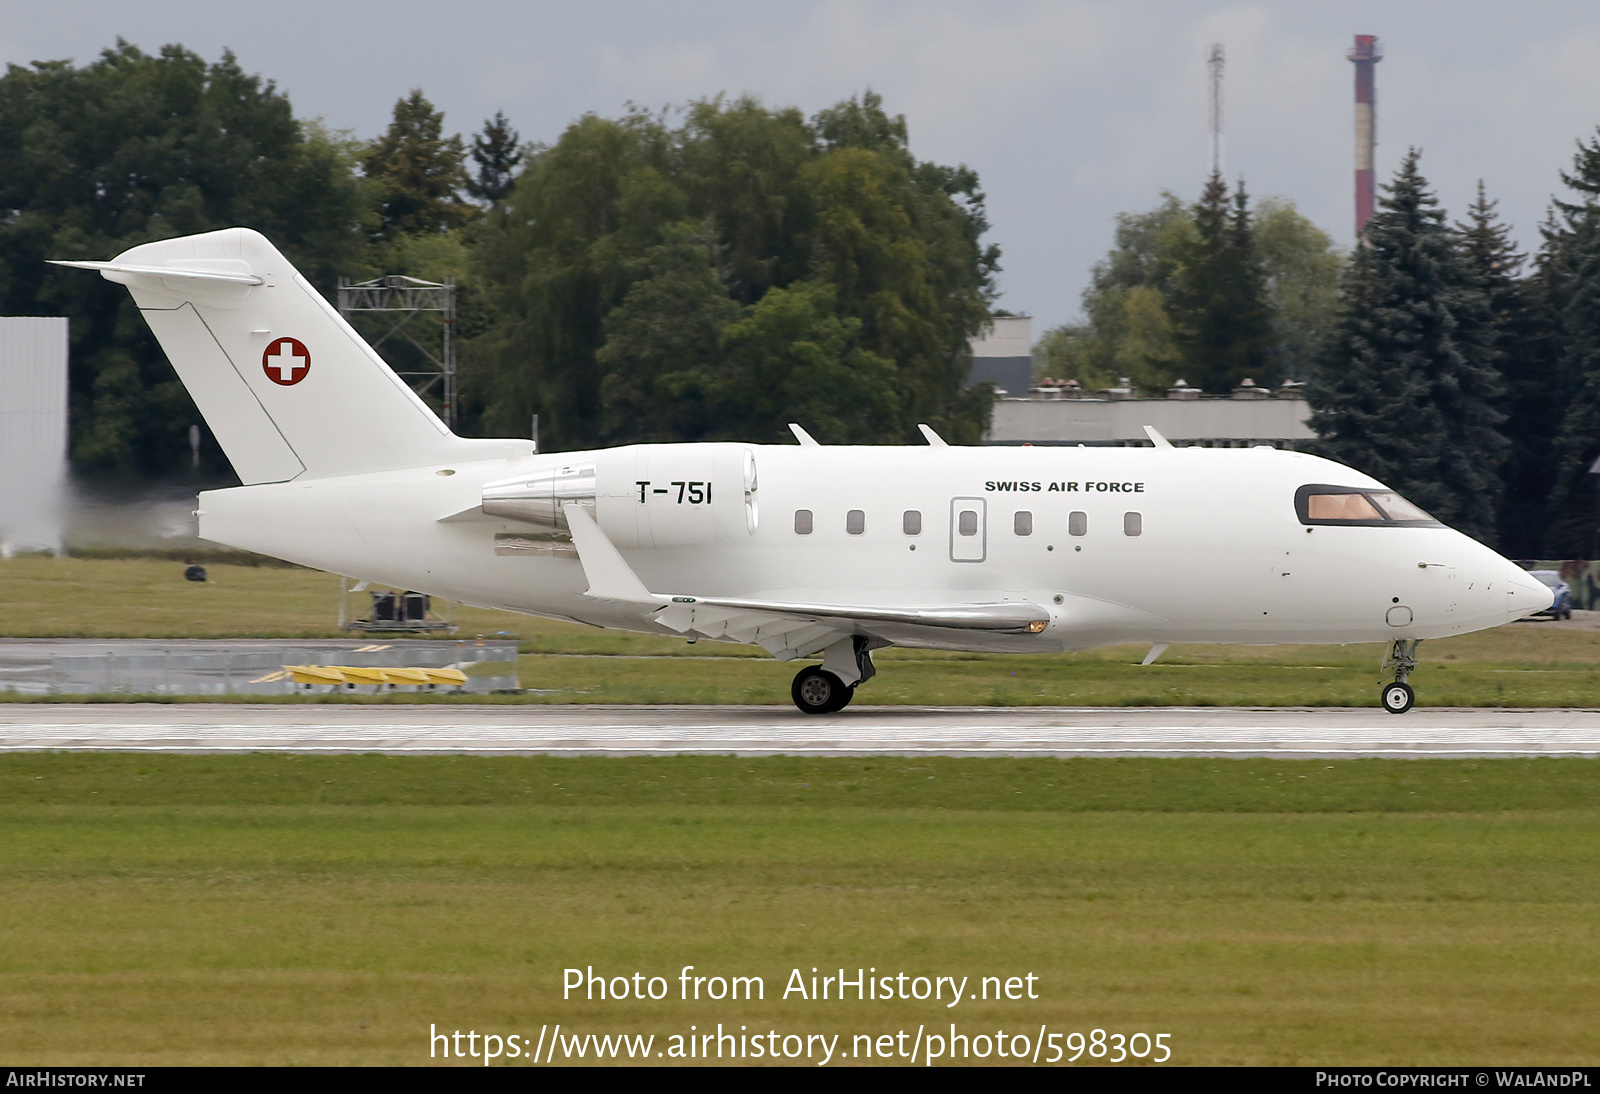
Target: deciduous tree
132	148
632	242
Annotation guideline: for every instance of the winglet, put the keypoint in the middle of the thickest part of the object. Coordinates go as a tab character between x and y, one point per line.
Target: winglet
806	440
933	439
1155	438
610	576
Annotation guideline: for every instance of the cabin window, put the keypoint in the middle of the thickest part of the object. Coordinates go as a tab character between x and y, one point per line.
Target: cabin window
1077	524
967	522
855	522
802	522
1355	506
1022	523
1132	524
911	522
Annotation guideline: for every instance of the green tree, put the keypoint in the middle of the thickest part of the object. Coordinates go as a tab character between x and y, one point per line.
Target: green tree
497	153
1222	318
1571	276
417	173
1145	315
1409	389
133	148
794	358
1528	362
633	240
661	359
741	173
1127	327
588	209
1302	269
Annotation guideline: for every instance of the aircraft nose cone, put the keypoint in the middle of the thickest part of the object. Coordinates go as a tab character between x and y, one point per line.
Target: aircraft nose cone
1526	594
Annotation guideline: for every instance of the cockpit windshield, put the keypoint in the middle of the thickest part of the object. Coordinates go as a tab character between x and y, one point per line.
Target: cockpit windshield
1356	506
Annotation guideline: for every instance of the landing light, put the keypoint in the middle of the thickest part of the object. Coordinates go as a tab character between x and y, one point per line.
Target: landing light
1037	626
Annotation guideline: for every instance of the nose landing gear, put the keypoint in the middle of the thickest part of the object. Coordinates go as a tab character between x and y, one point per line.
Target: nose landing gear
1401	657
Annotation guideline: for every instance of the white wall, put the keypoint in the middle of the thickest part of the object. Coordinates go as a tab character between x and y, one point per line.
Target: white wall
1175	419
1012	336
33	433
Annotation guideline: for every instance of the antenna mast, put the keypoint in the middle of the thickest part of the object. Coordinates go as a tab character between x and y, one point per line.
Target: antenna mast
1214	63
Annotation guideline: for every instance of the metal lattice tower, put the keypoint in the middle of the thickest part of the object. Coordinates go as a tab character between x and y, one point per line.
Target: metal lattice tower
1214	63
406	298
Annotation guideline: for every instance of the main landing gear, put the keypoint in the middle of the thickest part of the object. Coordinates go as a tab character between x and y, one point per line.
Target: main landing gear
1401	657
818	691
829	687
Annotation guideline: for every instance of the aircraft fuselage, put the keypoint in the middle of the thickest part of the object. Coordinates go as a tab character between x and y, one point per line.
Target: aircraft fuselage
1119	544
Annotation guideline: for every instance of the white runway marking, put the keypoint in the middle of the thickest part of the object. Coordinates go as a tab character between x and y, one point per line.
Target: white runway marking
761	731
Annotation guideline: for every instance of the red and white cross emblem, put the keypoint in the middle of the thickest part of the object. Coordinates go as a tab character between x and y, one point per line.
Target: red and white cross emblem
286	361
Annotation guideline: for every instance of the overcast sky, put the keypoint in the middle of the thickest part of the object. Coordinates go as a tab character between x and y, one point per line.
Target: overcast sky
1070	111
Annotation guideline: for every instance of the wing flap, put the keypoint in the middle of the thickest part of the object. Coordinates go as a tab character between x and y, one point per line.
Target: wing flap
1009	616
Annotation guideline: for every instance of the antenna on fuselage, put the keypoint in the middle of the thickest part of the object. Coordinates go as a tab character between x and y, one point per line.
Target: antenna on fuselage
933	439
806	440
1155	438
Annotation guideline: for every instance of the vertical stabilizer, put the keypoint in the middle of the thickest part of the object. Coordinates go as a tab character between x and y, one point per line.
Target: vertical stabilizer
284	383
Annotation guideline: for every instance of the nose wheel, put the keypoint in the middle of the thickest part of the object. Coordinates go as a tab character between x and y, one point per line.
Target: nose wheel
1400	658
818	691
1398	698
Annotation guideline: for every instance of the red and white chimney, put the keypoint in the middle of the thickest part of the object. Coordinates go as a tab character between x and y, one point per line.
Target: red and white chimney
1366	56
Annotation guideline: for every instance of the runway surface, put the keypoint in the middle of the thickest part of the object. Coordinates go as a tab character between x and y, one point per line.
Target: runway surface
761	731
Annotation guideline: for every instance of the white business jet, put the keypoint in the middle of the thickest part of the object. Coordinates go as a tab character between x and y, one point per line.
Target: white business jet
806	550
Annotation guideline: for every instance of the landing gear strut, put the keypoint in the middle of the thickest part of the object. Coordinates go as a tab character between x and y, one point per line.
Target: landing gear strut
1401	657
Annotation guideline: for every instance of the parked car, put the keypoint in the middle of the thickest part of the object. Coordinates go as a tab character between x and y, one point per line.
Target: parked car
1562	607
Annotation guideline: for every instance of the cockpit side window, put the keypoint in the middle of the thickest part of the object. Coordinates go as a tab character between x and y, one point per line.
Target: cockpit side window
1353	505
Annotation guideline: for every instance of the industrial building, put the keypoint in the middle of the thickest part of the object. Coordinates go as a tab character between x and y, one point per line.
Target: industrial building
1249	415
33	433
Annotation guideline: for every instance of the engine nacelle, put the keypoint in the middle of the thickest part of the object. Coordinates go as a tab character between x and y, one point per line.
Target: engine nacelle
642	496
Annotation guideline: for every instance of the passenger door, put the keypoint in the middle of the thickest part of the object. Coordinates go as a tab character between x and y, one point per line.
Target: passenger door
969	529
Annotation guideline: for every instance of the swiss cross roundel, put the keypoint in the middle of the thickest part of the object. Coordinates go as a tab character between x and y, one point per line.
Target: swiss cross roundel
286	361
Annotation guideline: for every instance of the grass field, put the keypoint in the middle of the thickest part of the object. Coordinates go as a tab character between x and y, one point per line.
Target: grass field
328	909
319	910
1525	664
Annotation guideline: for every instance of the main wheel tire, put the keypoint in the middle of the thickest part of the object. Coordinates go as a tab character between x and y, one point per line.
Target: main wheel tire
1397	698
817	691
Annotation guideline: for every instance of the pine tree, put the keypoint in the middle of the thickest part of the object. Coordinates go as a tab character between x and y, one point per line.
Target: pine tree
418	172
1526	366
1573	286
496	153
1409	391
1223	320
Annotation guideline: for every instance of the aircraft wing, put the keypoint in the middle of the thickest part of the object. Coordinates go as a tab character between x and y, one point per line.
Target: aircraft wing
784	628
787	629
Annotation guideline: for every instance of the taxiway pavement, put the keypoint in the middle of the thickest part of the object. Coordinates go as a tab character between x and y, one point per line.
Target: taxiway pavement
761	731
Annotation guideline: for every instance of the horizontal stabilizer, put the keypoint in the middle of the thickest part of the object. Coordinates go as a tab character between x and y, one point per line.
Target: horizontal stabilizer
232	277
